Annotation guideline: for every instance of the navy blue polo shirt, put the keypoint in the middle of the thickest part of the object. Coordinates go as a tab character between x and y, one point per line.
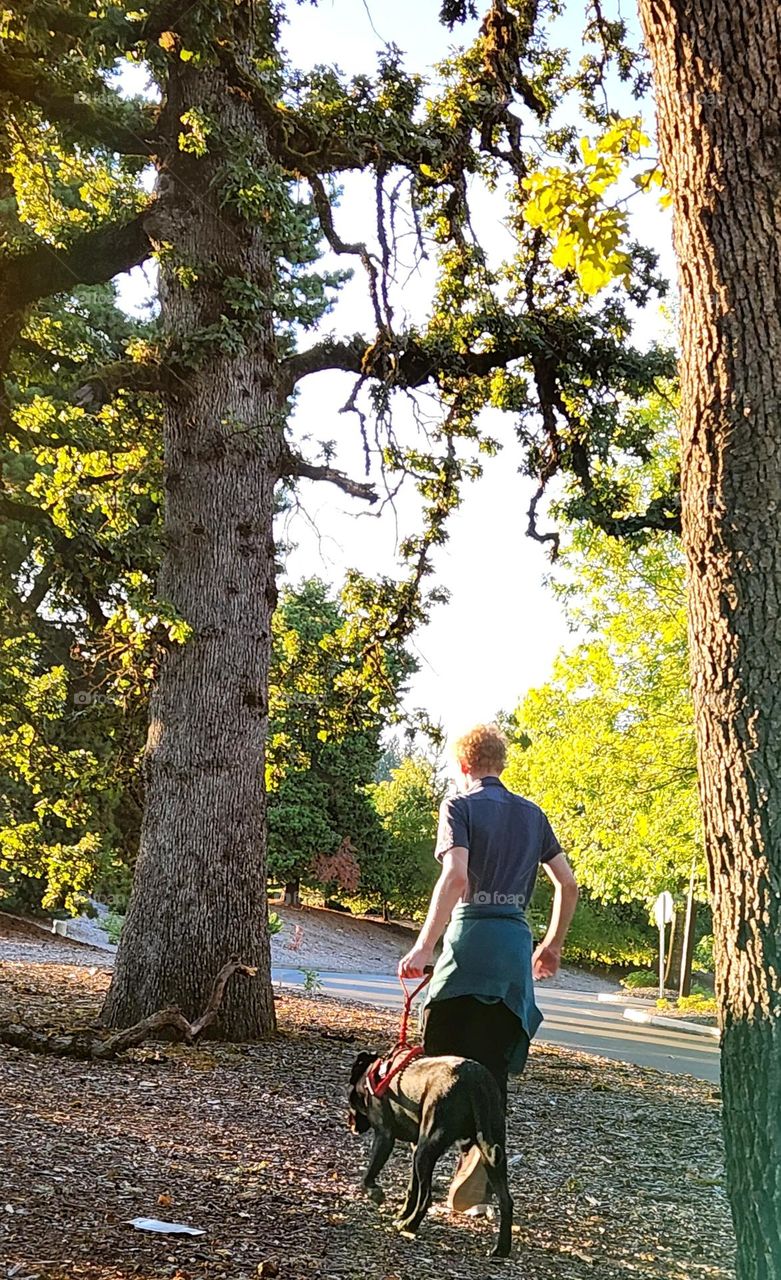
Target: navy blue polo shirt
507	838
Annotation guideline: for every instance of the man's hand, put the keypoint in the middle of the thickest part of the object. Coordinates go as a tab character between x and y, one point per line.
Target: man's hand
416	961
546	960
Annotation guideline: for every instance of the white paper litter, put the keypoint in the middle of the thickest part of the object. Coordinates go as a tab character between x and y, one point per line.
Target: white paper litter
164	1228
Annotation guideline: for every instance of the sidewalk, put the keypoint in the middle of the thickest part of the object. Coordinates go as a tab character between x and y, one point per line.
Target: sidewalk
638	1011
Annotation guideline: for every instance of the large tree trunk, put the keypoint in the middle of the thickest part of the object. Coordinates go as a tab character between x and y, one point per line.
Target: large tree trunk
199	894
292	894
717	66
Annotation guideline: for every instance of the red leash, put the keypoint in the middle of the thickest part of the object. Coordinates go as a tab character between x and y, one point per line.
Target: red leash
400	1056
409	996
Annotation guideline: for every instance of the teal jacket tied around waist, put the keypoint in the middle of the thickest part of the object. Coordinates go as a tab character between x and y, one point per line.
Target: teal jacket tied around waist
487	953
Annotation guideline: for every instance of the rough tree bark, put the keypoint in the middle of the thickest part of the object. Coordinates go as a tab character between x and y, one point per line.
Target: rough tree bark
199	892
717	67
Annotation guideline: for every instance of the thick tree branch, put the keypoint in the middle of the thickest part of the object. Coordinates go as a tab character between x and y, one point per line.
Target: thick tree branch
303	149
93	258
144	376
126	131
327	355
296	466
412	365
663	514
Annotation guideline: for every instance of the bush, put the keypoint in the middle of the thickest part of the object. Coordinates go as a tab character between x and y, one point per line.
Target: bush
698	1002
113	926
601	933
639	978
703	954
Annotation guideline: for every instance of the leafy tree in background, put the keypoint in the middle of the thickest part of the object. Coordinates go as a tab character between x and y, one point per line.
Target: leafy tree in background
79	636
607	745
328	706
407	804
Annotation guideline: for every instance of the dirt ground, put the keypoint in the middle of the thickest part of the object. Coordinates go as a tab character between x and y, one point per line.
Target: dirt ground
620	1175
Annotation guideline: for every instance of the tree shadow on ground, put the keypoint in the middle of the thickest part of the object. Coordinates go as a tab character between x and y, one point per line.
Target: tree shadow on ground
619	1176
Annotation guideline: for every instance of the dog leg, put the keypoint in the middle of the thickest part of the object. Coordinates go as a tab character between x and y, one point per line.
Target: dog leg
427	1152
495	1159
381	1150
411	1199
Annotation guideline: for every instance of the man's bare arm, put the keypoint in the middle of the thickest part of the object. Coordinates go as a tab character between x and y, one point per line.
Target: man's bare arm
547	956
448	891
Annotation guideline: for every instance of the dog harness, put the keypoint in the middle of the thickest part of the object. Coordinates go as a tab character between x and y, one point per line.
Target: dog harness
384	1070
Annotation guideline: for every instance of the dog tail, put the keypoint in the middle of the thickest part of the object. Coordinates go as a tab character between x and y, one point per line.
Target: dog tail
489	1128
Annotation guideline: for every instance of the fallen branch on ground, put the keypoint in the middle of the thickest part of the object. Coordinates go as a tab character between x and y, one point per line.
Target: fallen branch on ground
95	1046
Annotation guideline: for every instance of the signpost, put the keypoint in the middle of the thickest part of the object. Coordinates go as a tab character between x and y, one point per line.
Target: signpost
664	909
687	953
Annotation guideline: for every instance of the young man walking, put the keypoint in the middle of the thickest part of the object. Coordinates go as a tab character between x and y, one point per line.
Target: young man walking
480	1001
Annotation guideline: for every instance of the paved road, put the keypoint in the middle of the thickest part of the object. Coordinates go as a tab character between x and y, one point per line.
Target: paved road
575	1019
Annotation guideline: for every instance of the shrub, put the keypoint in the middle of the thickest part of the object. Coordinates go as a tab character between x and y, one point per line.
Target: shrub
601	933
312	983
698	1002
638	978
703	954
113	926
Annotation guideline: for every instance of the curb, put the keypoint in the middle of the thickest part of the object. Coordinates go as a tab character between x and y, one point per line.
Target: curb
671	1024
625	1002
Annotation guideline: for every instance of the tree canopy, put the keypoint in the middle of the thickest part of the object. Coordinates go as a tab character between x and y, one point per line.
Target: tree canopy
540	329
606	747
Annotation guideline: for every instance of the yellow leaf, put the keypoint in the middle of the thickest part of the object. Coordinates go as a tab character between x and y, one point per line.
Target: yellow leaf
592	275
564	254
588	152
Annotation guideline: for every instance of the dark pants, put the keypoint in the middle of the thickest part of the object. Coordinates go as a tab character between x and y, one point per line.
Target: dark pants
469	1028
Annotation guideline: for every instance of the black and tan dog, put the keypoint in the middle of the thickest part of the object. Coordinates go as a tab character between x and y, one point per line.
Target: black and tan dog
435	1104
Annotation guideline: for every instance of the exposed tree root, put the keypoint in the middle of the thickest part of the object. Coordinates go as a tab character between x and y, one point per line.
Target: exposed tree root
96	1046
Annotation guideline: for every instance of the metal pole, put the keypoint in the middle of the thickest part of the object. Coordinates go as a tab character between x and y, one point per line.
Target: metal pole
661	960
688	937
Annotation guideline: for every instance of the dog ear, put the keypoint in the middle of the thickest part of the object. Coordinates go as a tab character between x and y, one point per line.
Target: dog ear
357	1122
361	1064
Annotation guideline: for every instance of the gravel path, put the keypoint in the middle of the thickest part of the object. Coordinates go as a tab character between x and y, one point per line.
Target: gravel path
24	942
311	938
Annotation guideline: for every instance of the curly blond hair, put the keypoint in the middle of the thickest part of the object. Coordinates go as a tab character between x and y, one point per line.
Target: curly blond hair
482	750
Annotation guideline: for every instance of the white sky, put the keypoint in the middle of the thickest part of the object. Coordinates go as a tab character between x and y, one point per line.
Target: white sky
499	633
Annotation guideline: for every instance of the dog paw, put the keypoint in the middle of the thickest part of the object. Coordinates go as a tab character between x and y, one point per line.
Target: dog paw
499	1252
404	1230
376	1194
